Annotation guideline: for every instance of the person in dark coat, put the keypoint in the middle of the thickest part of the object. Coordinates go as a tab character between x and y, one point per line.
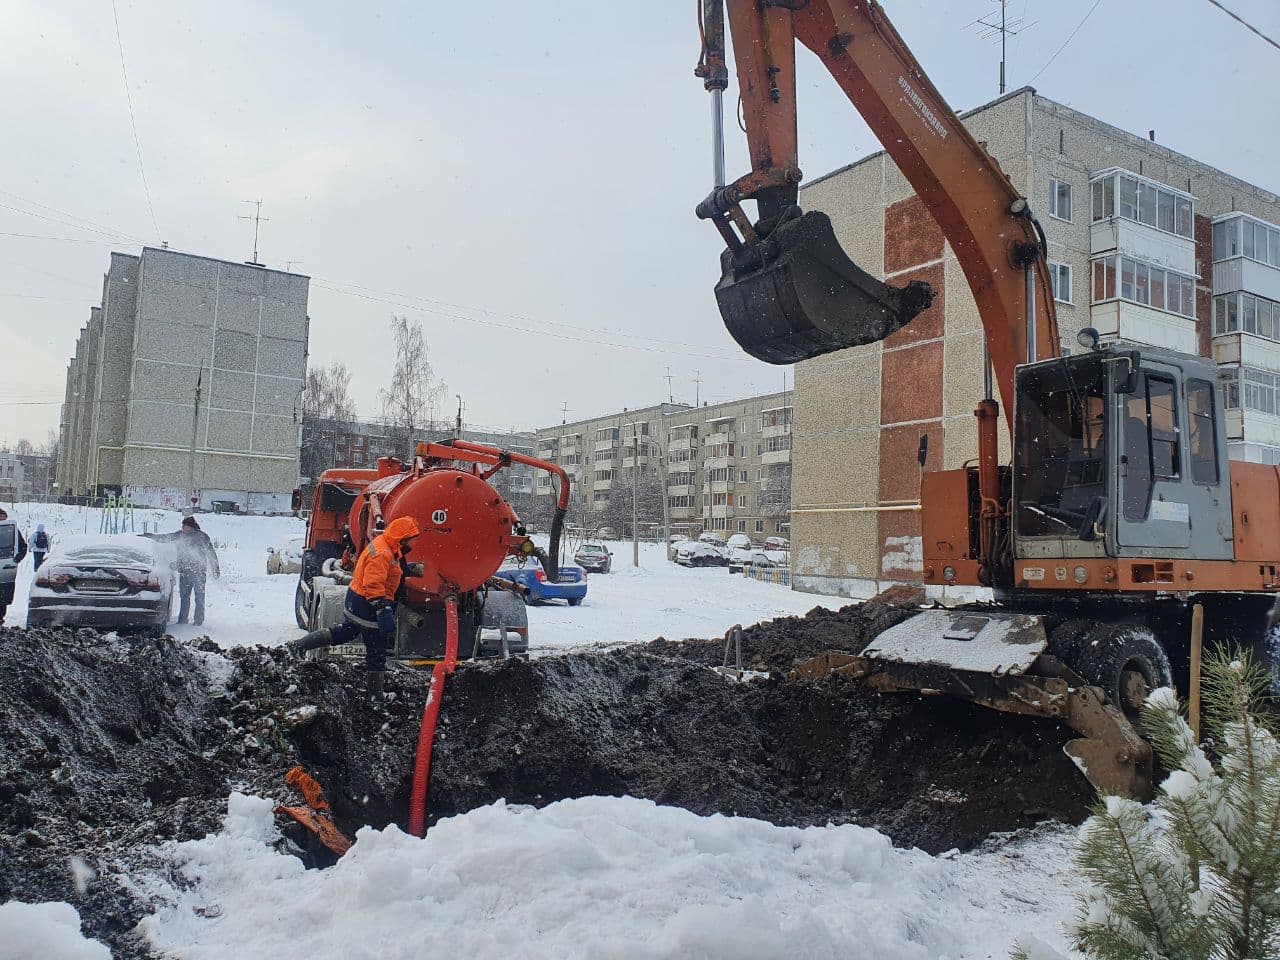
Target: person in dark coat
196	560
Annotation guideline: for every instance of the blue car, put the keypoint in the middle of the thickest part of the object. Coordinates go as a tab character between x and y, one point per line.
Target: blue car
570	585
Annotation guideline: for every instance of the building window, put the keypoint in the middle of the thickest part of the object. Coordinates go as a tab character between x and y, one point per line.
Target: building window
759	526
1060	276
1060	200
742	526
742	502
1132	198
1245	313
1250	388
774	444
742	476
1144	283
604	474
1245	237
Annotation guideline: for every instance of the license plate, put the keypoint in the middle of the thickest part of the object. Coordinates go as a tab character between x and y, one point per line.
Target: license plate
98	586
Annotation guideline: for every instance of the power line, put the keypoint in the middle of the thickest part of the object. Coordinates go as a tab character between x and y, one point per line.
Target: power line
1065	42
128	96
1248	26
38	236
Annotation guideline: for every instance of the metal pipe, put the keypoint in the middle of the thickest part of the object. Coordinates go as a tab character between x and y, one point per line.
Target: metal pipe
717	138
1032	352
1197	644
988	387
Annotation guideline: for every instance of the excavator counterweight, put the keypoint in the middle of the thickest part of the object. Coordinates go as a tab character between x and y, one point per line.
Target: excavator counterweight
796	294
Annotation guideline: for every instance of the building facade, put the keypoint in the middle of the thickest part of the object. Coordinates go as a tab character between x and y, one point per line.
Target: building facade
188	375
1145	245
724	467
13	478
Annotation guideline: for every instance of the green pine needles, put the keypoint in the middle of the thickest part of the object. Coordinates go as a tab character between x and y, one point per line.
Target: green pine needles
1196	874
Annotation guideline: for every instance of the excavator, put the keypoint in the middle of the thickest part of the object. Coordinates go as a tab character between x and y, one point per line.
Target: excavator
1118	527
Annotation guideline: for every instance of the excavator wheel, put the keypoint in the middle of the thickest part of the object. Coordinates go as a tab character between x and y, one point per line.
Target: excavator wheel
1127	662
1067	641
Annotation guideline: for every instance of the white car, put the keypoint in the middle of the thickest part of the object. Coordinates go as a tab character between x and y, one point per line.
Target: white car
286	556
739	541
711	537
694	553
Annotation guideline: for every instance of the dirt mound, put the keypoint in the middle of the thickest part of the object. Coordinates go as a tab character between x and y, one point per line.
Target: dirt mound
110	744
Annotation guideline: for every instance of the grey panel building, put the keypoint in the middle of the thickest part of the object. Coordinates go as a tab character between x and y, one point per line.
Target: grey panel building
186	354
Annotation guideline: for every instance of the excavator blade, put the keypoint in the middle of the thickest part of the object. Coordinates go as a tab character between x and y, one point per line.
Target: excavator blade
796	294
996	659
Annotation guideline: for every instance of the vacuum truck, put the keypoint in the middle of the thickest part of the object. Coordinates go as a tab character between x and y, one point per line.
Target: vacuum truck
468	531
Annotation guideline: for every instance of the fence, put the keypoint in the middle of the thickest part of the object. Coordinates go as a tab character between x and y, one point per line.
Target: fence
780	575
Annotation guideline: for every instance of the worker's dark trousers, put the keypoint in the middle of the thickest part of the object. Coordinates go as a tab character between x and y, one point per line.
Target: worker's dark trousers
375	628
187	584
37	558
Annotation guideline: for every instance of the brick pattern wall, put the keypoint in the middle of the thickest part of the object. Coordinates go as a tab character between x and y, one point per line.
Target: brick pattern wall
911	383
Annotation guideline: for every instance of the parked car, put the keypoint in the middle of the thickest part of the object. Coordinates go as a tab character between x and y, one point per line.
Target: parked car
777	543
11	553
710	536
505	618
286	556
570	585
594	557
740	557
118	581
695	553
739	541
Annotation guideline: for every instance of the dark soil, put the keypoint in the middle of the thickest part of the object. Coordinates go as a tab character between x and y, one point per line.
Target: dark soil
109	745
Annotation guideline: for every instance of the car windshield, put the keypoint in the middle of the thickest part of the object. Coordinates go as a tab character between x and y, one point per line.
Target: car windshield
125	552
6	539
591	548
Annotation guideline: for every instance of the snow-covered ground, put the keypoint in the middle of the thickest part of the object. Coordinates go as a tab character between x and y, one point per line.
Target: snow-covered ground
598	877
246	607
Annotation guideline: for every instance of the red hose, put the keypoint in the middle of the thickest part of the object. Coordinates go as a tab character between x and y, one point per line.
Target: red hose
430	714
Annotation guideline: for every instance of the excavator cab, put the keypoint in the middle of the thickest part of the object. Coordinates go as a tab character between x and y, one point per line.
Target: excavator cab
795	294
1120	453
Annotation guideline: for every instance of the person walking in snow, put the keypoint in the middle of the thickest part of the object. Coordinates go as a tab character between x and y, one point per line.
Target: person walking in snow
196	560
370	606
40	544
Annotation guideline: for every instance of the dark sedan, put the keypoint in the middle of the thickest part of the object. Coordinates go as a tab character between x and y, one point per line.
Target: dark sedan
594	557
102	581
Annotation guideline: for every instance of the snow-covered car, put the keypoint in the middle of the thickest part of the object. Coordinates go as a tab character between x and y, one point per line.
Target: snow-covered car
739	557
286	556
739	541
768	558
711	537
118	581
594	557
695	553
777	543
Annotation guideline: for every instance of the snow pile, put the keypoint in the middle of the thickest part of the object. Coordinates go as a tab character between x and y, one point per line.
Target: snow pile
50	931
605	877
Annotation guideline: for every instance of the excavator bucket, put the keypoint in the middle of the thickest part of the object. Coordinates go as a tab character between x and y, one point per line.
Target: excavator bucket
998	660
796	294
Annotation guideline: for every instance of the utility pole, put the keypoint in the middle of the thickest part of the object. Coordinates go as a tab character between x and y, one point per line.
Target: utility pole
670	396
635	491
195	424
257	219
697	386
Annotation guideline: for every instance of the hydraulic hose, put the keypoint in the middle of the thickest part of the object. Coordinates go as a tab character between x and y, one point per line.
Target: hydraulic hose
551	560
430	715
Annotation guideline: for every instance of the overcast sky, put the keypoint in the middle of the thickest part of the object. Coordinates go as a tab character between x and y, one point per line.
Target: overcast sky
520	177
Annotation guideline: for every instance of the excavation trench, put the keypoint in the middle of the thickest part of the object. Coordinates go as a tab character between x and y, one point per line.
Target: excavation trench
109	745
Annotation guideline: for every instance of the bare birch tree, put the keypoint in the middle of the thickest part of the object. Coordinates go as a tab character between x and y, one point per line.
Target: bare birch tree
412	401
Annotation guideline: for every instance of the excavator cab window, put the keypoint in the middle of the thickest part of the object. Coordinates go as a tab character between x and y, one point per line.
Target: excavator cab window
1060	433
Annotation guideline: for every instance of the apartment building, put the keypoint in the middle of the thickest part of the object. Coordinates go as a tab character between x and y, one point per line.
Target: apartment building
188	375
1146	245
724	467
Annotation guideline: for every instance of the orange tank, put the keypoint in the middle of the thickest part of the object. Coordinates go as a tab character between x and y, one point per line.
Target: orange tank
466	527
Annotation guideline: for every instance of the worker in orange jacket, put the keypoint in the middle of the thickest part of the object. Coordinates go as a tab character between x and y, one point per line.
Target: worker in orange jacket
369	608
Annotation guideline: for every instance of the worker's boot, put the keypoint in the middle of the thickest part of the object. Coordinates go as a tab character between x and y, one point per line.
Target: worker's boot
375	685
312	641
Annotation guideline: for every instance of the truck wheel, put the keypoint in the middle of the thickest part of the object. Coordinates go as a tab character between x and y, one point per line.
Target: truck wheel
1127	662
575	601
300	607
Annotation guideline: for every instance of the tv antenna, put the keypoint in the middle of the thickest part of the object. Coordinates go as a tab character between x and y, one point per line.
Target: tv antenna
257	219
564	412
1004	28
670	395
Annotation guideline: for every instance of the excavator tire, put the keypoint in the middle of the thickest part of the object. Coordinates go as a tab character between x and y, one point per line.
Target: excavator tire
1111	651
1068	639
